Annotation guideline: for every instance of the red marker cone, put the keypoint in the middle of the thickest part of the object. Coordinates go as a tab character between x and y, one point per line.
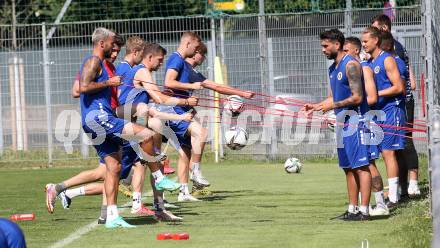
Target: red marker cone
180	236
163	236
16	217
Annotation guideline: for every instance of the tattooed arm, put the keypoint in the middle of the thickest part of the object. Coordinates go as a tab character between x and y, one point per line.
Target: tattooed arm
91	70
354	76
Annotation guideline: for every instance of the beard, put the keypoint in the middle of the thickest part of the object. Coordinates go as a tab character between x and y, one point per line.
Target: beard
332	56
107	53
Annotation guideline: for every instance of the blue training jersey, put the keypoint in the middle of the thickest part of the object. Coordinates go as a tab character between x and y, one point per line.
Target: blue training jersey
97	101
383	82
184	70
11	235
127	90
341	87
404	74
122	69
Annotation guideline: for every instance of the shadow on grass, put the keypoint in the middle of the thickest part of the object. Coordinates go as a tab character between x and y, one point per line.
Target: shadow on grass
141	220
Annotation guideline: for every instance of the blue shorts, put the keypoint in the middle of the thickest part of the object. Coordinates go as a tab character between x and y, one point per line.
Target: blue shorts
105	132
355	153
134	96
129	158
180	128
395	119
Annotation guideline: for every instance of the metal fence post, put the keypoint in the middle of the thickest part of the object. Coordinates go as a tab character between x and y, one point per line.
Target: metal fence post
262	38
348	20
47	92
273	129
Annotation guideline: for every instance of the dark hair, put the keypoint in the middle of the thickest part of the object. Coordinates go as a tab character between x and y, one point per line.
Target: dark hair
203	50
333	35
354	41
387	42
374	32
119	40
154	48
382	20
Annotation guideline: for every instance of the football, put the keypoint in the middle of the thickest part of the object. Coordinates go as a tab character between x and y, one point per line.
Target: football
292	165
233	105
236	138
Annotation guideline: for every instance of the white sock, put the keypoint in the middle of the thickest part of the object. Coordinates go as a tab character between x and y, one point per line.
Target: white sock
112	212
363	209
413	183
378	196
195	167
137	203
71	193
393	184
158	176
184	189
352	209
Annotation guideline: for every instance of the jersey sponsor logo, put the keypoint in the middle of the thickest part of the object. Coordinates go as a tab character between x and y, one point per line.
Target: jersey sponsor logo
339	75
376	69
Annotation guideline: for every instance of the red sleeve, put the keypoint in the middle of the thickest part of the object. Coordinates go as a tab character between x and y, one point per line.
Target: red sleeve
110	68
114	97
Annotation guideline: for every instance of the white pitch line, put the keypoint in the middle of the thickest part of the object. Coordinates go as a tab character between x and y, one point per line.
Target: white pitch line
87	228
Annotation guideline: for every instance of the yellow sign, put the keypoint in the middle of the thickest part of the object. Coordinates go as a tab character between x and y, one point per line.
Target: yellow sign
227	5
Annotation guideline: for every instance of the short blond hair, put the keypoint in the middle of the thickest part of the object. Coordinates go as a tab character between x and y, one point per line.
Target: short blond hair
190	35
134	43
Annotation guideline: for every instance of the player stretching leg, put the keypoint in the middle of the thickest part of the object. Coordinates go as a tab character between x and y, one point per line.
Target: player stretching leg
199	182
105	129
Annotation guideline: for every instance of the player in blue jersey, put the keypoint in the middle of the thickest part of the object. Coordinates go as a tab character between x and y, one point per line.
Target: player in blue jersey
406	158
11	236
177	79
106	130
192	136
200	182
390	89
138	89
353	47
347	98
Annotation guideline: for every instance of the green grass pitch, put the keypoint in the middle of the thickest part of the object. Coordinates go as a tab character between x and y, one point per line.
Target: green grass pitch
254	205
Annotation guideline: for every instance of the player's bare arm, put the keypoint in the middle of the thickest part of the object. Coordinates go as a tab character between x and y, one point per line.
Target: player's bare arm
226	90
144	79
171	82
354	76
91	70
397	84
75	89
370	85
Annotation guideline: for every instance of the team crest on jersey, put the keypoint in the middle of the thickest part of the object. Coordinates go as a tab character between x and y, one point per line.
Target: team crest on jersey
376	69
339	75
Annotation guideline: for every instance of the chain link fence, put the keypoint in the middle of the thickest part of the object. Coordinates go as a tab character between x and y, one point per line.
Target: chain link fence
282	60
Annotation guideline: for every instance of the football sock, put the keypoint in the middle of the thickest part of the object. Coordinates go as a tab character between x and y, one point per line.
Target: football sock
112	212
103	212
184	188
393	184
158	176
136	200
363	209
352	209
195	167
71	193
378	196
60	187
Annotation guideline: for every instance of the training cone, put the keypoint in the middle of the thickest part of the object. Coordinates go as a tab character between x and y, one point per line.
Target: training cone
16	217
180	236
163	236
